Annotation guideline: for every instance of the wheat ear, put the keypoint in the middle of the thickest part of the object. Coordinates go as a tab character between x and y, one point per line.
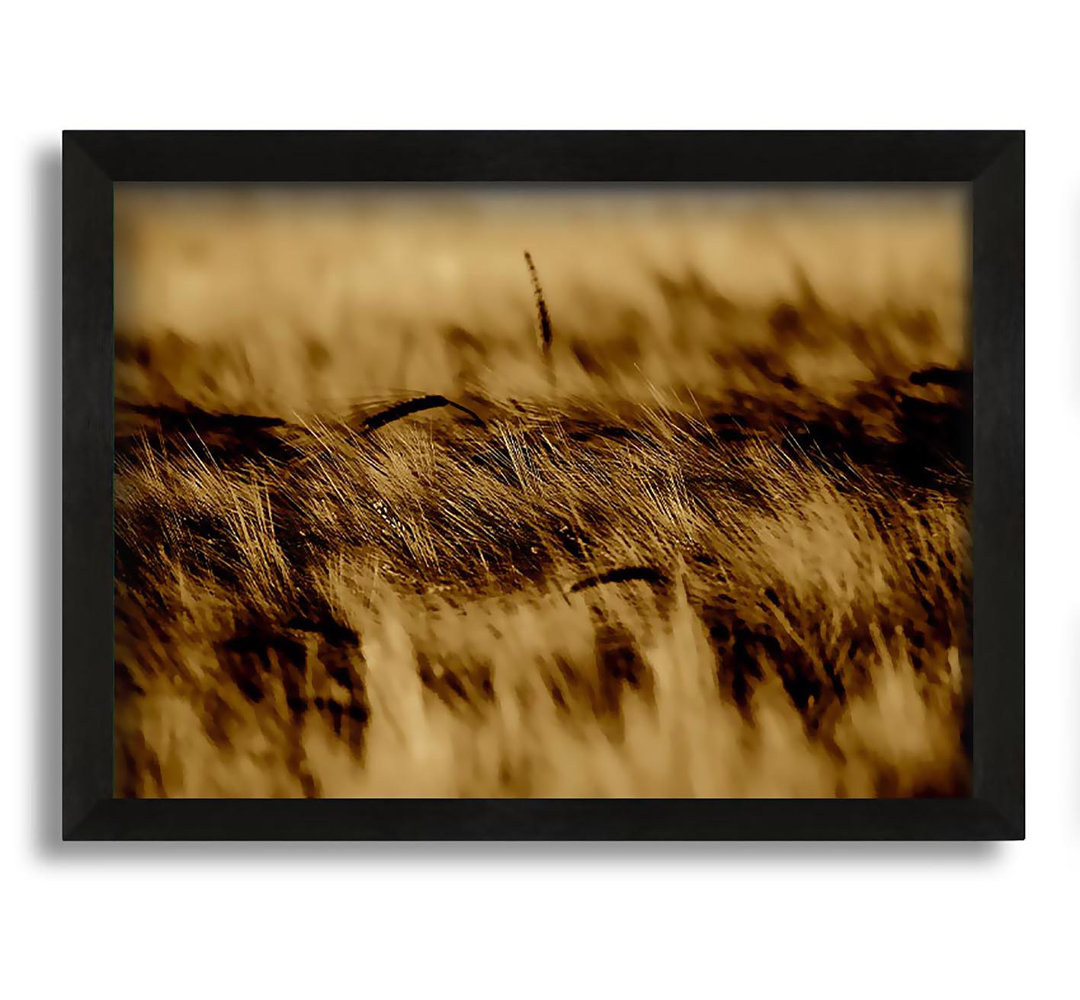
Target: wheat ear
542	314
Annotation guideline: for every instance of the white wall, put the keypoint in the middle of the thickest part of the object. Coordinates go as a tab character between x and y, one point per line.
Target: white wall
830	920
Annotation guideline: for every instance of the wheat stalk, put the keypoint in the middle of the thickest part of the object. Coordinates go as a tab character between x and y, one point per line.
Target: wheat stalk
411	406
542	314
624	574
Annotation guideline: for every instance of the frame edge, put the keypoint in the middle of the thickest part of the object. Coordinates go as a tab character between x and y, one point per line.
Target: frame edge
997	324
87	526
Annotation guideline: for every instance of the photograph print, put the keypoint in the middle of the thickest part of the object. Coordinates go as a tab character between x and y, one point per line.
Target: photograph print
542	491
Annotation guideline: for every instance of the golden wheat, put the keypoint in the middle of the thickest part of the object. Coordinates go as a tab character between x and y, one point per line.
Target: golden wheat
698	544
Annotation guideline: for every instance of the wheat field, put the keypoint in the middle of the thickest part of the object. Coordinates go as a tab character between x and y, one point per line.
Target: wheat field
484	491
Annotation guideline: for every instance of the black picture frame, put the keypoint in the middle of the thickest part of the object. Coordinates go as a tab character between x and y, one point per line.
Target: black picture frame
990	162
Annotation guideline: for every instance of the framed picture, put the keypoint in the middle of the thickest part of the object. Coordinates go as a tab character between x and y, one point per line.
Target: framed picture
540	485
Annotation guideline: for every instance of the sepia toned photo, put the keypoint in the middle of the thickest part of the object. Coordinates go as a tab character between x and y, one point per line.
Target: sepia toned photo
542	491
